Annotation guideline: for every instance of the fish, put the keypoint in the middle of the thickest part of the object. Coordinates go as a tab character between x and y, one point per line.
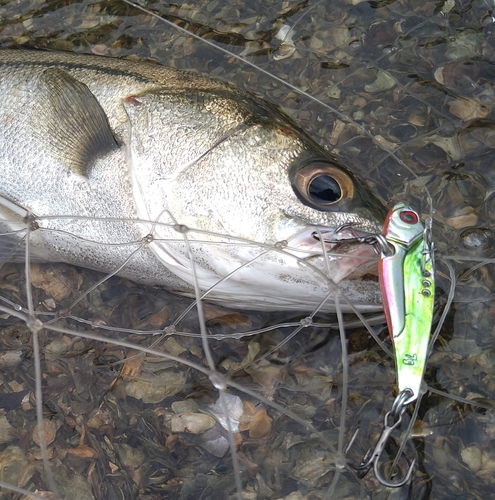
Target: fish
153	168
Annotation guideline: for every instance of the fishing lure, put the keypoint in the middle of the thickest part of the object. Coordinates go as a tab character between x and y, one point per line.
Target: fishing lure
406	275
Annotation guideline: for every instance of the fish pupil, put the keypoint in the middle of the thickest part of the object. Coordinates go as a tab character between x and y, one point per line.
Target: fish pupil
324	189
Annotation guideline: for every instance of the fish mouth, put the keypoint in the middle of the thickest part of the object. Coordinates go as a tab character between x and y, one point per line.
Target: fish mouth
345	252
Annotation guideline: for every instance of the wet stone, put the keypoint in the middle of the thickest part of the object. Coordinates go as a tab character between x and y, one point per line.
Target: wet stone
194	423
179	407
130	457
10	359
56	280
6	430
50	431
471	456
155	388
476	239
383	82
468	110
71	483
462	221
379	36
15	468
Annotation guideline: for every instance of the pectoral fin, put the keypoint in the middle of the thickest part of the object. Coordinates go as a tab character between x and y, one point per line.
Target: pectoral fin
69	122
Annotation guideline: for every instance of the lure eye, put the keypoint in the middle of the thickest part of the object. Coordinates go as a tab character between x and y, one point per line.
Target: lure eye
322	185
409	217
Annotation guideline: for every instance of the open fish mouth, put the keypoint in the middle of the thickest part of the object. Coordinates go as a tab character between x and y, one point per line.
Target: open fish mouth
346	252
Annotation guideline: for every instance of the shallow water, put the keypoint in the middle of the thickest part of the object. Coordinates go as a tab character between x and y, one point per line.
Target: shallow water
386	85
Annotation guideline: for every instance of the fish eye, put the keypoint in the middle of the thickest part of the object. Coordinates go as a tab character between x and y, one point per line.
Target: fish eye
322	185
409	217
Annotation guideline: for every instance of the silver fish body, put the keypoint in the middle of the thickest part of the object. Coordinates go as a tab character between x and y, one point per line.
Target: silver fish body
136	169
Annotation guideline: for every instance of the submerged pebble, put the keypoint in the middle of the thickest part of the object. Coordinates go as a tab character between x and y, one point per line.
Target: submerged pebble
194	423
477	239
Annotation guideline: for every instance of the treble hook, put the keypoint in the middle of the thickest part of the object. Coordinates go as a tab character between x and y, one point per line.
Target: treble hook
372	457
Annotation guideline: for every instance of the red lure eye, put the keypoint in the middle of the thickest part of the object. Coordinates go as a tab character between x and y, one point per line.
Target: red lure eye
409	217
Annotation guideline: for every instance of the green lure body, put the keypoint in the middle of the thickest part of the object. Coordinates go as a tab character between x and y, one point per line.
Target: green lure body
408	290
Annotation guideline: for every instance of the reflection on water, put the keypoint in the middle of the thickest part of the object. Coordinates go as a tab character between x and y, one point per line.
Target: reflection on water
385	85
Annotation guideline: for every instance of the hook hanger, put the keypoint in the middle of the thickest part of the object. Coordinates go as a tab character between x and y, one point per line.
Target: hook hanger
378	241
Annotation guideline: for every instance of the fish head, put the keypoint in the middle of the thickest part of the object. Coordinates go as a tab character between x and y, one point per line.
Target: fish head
227	166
